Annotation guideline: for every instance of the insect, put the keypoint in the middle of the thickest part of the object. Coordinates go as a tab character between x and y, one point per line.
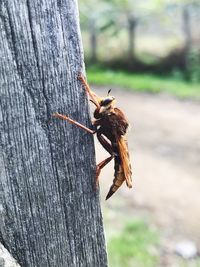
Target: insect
110	126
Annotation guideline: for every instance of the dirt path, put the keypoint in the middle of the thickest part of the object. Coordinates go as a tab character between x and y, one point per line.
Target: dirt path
164	142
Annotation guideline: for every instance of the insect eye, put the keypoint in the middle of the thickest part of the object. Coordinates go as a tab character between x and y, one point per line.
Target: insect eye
106	101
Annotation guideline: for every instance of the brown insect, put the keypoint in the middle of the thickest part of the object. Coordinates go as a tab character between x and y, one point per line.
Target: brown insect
110	126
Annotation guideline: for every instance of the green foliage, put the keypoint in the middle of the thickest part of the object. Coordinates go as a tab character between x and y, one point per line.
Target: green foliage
136	245
144	82
100	15
146	29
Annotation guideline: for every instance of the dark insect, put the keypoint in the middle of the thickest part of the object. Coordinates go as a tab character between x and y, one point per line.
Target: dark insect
110	126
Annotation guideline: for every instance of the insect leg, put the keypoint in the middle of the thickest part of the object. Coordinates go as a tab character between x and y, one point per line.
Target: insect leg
94	97
63	117
104	143
100	166
103	163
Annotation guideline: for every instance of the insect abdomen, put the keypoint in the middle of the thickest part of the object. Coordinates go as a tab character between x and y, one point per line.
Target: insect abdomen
118	180
122	167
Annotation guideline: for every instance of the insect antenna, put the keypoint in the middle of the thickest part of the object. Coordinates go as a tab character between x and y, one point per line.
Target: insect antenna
109	92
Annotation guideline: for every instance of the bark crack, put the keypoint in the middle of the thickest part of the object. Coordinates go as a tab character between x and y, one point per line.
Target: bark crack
14	46
35	49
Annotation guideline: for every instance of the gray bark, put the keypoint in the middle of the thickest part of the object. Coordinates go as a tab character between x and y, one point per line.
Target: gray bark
49	211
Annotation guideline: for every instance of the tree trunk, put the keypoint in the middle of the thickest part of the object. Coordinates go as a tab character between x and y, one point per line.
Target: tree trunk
132	22
186	26
93	40
49	211
188	38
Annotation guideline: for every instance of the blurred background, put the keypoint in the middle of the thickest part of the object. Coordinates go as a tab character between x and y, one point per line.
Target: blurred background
148	53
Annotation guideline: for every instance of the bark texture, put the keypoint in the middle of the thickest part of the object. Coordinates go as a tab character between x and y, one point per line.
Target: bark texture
49	211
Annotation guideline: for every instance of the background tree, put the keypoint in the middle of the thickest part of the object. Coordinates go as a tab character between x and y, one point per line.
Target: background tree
95	20
157	35
50	212
125	14
130	14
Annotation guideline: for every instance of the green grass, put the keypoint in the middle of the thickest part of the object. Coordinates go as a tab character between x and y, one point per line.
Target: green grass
135	246
143	82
